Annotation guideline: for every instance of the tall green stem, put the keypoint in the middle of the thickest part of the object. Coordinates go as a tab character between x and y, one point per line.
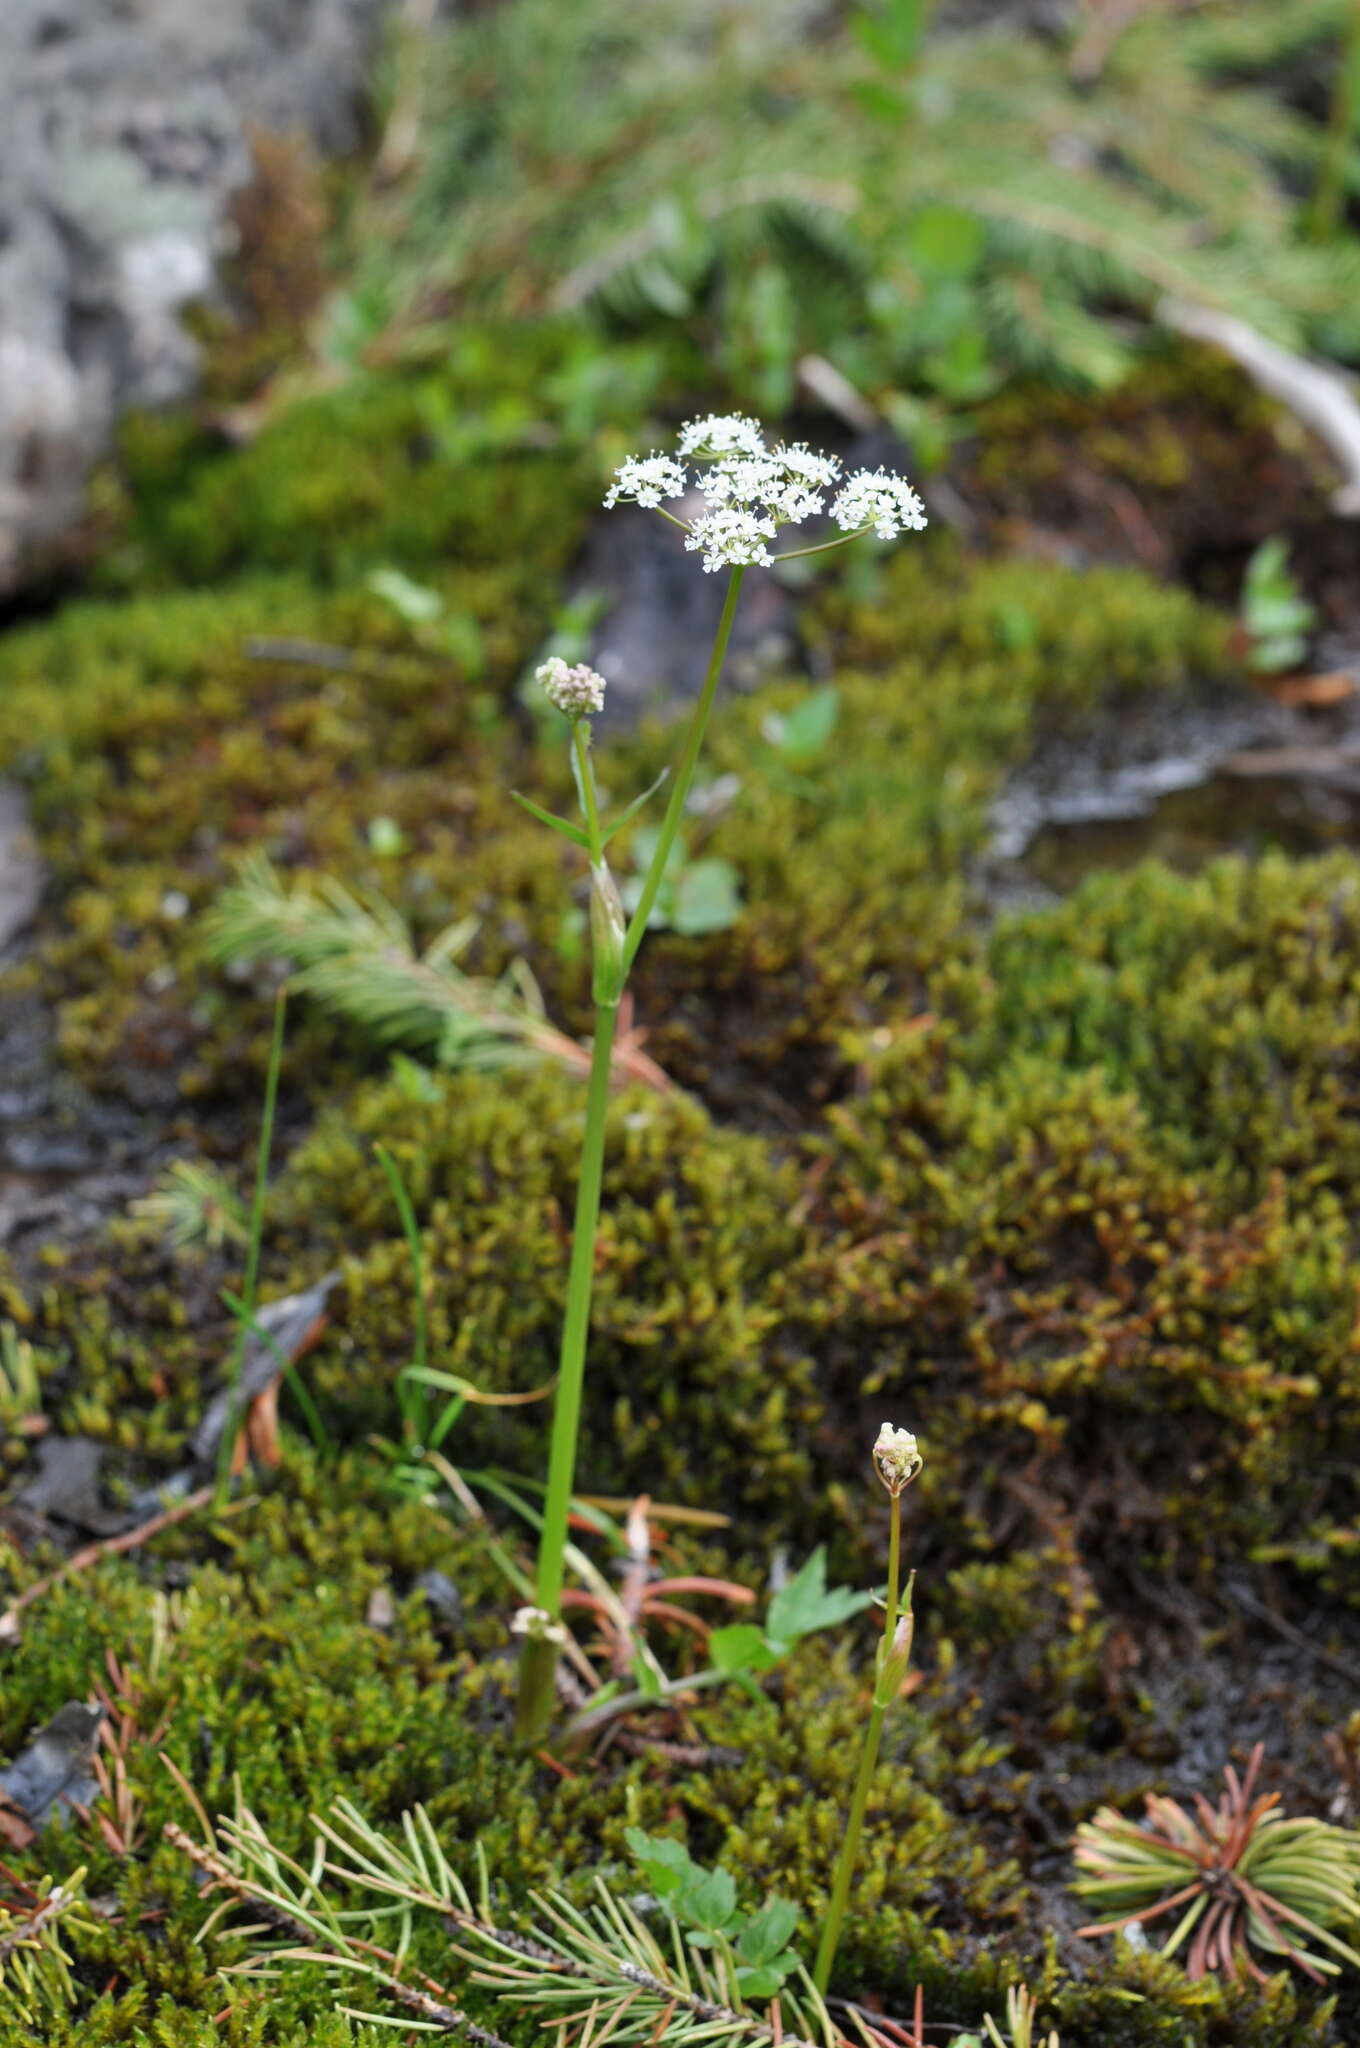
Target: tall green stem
887	1679
684	774
537	1671
538	1665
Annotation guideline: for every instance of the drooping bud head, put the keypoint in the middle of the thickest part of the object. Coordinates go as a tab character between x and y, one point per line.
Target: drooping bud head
896	1458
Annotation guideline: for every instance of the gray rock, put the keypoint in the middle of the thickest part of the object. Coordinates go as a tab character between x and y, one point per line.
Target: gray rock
55	1773
123	139
21	874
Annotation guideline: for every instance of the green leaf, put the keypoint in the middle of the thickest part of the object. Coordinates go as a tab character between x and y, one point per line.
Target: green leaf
645	1676
804	731
807	1604
665	1863
765	1980
709	1901
706	899
562	825
768	1931
743	1647
413	602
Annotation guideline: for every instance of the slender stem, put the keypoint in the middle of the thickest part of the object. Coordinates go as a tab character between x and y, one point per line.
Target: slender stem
823	547
845	1868
586	779
250	1285
539	1663
684	774
683	524
624	1702
873	1735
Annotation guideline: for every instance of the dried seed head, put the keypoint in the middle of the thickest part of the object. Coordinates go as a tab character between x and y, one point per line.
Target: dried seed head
896	1458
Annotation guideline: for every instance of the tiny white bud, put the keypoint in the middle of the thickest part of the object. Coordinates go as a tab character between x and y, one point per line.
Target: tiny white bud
896	1458
537	1623
577	692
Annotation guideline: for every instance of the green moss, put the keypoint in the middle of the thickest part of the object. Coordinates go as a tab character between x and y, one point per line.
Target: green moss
1068	1191
461	465
706	1396
1022	1250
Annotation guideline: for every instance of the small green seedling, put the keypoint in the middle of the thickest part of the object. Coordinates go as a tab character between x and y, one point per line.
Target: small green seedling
1276	615
754	1946
434	628
798	736
803	1607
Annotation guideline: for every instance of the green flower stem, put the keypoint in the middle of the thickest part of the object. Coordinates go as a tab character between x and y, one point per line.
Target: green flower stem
539	1665
580	740
884	1693
822	547
684	774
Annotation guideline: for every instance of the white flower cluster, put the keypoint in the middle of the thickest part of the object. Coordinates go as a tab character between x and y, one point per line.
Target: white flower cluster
897	1458
751	491
721	434
874	498
577	692
538	1625
731	538
646	480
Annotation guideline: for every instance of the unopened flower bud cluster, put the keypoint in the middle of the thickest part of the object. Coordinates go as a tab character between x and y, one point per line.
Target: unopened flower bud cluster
751	491
897	1459
577	692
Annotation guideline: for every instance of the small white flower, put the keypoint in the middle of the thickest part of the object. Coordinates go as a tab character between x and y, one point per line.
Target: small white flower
873	497
535	1622
577	692
897	1459
761	482
646	480
744	480
807	467
731	539
721	434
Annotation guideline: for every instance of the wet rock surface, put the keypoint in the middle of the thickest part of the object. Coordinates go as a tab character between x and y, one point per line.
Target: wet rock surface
21	875
1229	772
124	135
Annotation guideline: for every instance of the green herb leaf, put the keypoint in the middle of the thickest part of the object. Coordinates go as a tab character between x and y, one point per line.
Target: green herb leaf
562	825
807	1603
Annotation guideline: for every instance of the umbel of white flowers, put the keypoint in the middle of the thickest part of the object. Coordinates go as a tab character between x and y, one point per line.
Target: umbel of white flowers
752	492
